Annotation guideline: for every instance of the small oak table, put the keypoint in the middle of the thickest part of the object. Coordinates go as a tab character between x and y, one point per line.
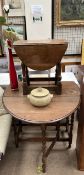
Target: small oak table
62	106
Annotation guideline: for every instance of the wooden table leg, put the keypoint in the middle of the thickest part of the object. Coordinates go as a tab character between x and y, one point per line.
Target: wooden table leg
1	155
43	127
20	126
25	79
58	79
71	130
48	150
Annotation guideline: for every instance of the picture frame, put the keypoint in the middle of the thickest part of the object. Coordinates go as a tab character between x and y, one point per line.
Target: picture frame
19	30
70	12
16	7
1	8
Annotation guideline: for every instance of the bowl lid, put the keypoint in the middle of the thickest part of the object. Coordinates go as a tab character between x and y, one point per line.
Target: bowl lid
39	92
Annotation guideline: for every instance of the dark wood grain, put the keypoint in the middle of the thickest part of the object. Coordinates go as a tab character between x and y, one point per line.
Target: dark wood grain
61	106
40	55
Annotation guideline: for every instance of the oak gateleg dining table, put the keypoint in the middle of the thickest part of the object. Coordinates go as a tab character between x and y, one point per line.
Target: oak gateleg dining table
61	107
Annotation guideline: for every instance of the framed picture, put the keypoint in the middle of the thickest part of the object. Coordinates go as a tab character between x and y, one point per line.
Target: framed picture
70	12
16	7
1	7
14	32
18	29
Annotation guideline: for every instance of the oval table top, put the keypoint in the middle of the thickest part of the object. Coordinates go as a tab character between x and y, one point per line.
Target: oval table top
40	55
60	107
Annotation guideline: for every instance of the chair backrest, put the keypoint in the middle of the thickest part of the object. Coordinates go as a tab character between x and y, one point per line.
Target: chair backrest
40	55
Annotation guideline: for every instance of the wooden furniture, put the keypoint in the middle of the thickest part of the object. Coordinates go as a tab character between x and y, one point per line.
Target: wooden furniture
41	55
82	52
61	107
80	133
63	65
